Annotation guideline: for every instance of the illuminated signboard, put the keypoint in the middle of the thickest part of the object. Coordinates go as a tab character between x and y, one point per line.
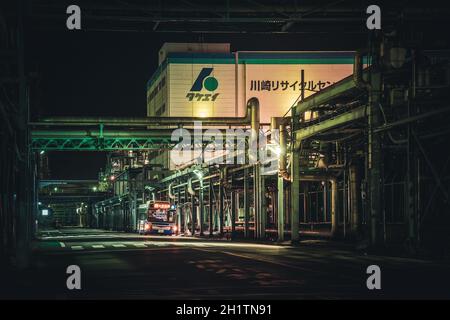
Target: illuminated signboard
160	205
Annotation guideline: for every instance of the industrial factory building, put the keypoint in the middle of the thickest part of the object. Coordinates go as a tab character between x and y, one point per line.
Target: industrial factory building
330	178
224	149
208	80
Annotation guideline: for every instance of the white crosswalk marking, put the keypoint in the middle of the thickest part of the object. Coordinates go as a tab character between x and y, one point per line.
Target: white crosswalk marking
77	247
98	246
119	245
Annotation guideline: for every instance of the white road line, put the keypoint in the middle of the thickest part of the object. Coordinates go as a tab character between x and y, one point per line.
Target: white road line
77	247
98	246
62	244
119	245
139	245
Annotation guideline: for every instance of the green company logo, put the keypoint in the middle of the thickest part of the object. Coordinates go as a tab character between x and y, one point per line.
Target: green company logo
203	81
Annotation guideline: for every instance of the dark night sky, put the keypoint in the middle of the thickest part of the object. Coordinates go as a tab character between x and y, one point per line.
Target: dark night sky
105	73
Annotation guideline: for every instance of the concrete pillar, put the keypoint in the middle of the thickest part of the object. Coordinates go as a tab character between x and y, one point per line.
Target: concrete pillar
280	209
295	196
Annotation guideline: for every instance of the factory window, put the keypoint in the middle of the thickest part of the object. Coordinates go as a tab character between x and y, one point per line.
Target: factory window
161	110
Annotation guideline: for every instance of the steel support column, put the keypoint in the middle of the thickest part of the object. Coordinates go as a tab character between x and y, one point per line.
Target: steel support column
233	214
295	195
374	157
257	186
201	207
211	205
354	195
179	210
280	209
246	205
334	207
193	215
221	207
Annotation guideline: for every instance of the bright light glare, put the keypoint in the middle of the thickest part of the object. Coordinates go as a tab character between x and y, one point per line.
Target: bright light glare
45	212
275	148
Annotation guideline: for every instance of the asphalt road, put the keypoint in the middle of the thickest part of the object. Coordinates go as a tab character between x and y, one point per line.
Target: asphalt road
127	266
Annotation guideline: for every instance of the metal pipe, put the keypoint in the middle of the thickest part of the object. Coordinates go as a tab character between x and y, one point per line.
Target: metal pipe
211	192
334	199
190	189
252	113
358	72
334	196
194	215
233	213
354	201
221	208
201	208
280	209
253	143
169	192
295	195
246	205
388	126
120	133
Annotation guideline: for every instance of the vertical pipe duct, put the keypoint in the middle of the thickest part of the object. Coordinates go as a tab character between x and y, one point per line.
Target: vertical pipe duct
253	155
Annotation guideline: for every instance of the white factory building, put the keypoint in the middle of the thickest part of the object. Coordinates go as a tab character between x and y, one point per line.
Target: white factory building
208	80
